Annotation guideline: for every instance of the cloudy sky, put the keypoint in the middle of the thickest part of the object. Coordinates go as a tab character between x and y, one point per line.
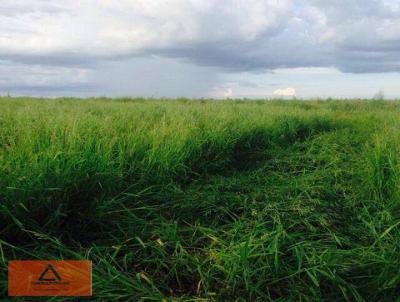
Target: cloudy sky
200	48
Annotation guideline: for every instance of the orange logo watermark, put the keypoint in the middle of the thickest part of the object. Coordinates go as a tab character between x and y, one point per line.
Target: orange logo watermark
49	278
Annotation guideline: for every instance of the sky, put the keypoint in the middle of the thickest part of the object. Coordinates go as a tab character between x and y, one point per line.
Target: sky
200	48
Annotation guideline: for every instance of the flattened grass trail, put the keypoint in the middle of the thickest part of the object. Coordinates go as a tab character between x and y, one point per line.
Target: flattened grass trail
180	200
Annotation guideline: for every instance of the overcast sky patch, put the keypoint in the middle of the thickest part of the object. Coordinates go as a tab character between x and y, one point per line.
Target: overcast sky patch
195	47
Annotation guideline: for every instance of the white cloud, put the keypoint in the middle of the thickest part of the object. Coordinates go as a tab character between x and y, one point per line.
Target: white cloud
287	92
221	92
123	27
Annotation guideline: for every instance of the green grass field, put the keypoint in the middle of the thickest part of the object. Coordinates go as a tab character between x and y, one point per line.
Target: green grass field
206	200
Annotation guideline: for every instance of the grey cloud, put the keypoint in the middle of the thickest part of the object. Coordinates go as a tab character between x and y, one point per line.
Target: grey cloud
350	9
355	36
155	76
57	59
298	43
12	8
46	89
367	34
356	45
282	50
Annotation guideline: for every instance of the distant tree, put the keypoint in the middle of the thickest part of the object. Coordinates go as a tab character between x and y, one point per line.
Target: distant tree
379	96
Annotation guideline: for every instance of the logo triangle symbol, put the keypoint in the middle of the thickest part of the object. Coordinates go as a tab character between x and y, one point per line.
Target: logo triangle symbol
49	270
